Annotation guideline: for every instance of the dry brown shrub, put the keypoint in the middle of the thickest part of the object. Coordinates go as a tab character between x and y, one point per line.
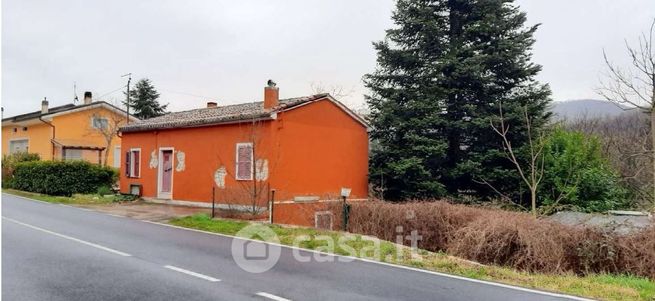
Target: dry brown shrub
513	239
638	253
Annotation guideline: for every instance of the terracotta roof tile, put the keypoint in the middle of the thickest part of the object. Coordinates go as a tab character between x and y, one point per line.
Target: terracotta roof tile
216	115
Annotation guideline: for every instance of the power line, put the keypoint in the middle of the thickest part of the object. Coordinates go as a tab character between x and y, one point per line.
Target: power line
111	92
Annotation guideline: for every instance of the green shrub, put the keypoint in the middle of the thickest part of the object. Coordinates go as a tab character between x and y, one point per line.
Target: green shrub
577	175
104	190
62	177
9	164
125	198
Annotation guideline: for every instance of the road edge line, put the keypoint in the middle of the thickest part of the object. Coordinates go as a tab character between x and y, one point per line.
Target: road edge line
491	283
97	246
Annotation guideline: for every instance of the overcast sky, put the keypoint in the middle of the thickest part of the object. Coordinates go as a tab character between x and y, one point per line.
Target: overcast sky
195	51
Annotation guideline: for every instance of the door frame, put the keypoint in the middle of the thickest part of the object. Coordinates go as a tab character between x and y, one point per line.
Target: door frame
160	170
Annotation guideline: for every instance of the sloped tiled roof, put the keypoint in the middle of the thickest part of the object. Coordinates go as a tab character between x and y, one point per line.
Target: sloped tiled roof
62	109
217	115
37	114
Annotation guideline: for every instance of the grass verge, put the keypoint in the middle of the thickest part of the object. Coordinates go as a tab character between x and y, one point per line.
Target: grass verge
76	199
598	286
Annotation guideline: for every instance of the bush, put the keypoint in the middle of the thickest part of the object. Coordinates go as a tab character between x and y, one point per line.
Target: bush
104	190
9	164
577	175
62	177
513	239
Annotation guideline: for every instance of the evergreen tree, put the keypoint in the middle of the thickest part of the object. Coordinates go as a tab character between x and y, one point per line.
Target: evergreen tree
143	100
442	73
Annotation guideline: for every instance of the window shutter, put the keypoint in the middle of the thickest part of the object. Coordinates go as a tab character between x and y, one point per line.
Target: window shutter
137	159
127	164
244	161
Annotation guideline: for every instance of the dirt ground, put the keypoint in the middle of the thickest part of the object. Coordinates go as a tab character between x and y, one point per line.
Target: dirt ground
147	211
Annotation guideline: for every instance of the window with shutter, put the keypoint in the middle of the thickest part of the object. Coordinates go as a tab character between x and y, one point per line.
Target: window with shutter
137	162
244	161
132	163
128	164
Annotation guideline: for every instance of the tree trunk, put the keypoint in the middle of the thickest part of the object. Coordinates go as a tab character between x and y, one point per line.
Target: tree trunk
104	163
533	200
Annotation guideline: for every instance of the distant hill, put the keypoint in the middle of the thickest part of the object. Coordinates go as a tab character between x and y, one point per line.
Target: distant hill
574	109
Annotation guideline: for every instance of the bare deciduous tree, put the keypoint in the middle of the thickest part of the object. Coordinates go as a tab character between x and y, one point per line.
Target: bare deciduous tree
635	86
533	172
106	124
337	91
625	142
255	191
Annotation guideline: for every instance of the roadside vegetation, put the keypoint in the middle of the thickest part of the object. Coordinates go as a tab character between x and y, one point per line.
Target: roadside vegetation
593	285
63	178
75	199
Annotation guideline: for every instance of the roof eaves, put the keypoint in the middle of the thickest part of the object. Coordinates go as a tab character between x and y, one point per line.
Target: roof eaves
194	123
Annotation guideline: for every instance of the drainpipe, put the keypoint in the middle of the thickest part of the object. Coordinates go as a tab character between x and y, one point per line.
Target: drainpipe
53	136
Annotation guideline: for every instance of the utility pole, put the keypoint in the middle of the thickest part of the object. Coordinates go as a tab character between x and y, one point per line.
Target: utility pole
129	79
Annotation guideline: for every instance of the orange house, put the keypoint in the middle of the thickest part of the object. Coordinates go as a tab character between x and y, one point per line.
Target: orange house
305	149
69	132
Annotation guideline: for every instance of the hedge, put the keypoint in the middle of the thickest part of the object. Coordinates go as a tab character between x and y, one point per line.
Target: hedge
9	163
62	177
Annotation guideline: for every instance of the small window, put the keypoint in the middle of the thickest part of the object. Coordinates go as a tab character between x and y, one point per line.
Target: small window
244	161
18	146
72	154
99	122
133	163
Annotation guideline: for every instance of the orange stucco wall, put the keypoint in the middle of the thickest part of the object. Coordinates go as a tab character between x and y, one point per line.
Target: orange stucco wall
72	126
313	150
37	134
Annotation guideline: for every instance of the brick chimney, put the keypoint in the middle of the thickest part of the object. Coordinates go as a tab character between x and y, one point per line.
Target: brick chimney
211	104
271	95
44	106
88	97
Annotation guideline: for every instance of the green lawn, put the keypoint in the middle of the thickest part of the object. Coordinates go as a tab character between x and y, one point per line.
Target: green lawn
76	199
602	286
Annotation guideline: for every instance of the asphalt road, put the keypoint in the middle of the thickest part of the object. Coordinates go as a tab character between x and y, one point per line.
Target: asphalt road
56	252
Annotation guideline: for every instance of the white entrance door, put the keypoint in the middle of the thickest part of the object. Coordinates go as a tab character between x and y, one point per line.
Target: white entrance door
165	174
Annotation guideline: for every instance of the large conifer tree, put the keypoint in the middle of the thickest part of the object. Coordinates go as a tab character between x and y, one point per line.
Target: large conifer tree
442	73
143	100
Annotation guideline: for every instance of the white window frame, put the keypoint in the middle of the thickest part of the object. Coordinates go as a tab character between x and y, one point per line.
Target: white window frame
93	124
132	150
68	151
117	160
16	140
252	161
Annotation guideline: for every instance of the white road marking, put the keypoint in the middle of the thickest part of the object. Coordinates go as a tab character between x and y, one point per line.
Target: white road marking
97	246
181	270
271	296
22	197
508	286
